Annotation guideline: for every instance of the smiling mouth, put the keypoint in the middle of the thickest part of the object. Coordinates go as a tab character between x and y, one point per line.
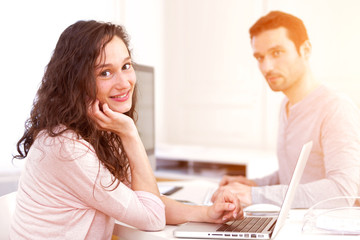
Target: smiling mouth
122	96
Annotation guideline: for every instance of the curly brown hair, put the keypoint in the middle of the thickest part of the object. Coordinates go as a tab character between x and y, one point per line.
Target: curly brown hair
68	88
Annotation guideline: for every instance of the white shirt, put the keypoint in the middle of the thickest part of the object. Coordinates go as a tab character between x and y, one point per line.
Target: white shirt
332	122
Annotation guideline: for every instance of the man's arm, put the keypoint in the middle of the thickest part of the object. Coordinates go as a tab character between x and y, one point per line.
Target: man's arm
272	179
339	141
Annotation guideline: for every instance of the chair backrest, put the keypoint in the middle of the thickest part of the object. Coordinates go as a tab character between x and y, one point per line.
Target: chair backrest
7	207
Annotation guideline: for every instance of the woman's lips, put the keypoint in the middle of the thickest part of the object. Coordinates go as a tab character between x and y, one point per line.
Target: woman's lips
121	97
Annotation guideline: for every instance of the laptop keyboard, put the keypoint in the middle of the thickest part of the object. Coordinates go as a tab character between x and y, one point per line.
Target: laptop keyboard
248	224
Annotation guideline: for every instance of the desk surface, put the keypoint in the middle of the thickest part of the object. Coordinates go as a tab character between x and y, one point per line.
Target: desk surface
291	230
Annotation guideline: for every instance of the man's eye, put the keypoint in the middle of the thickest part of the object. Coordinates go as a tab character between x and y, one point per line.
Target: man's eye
277	53
126	66
259	58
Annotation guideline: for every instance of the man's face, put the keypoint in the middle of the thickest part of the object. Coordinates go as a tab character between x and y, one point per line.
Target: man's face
280	63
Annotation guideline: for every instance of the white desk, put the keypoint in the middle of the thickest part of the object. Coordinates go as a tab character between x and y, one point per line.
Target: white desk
292	230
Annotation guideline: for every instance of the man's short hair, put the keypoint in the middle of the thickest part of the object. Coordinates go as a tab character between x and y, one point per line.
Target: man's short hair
296	30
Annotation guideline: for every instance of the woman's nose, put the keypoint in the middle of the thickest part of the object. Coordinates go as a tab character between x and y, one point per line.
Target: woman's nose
122	81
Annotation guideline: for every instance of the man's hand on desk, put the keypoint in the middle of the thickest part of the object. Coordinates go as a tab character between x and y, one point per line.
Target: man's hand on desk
242	191
240	179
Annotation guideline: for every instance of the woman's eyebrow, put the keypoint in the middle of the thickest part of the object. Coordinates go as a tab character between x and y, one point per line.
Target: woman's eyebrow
109	64
103	66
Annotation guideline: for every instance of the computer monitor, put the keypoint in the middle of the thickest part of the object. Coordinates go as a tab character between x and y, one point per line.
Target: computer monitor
145	109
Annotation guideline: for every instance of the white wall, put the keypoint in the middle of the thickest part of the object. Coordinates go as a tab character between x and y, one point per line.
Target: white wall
215	96
29	32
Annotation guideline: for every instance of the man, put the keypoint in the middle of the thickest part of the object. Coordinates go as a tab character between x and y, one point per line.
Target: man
310	111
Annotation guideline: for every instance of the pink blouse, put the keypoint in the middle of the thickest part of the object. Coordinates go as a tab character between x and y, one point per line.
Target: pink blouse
63	194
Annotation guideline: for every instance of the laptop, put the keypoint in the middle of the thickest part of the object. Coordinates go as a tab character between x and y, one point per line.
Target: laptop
251	227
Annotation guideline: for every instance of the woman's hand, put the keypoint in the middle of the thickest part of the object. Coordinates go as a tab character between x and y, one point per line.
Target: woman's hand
142	177
226	207
110	120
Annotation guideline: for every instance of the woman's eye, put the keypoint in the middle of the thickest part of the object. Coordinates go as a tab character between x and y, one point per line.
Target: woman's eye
126	66
105	73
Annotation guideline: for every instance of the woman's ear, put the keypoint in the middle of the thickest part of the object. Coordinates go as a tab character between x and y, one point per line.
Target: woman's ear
305	49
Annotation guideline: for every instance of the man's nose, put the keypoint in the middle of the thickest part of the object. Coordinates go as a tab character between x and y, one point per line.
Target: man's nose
266	65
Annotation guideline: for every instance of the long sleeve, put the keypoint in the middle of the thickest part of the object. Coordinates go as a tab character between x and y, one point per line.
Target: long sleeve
332	122
65	193
137	208
271	179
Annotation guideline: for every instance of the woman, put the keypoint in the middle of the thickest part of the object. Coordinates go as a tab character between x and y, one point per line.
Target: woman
86	164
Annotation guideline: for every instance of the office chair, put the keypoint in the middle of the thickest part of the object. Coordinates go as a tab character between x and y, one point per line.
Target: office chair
7	207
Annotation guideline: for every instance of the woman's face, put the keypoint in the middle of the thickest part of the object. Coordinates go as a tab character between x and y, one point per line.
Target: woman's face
115	76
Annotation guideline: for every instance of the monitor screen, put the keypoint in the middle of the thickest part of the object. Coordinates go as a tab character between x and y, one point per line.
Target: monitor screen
145	108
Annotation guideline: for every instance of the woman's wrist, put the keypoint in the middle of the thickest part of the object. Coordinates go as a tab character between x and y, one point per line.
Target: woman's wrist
200	214
130	132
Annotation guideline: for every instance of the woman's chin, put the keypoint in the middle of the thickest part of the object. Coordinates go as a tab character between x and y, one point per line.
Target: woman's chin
122	109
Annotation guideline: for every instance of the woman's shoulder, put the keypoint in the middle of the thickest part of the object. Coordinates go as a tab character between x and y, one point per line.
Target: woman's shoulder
64	141
65	152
